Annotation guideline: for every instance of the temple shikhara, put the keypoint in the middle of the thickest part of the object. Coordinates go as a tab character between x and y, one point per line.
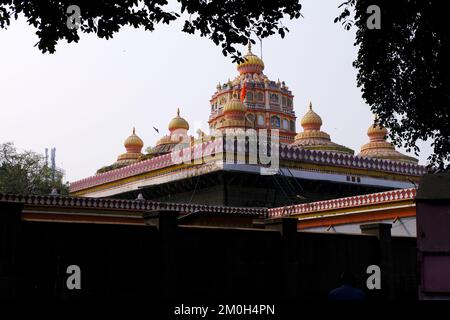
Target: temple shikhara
325	184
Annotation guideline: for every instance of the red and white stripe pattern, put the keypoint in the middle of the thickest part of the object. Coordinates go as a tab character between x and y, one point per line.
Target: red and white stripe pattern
341	203
287	152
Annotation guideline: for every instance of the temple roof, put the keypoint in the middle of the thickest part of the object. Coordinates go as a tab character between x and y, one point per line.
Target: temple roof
333	206
114	209
331	162
266	105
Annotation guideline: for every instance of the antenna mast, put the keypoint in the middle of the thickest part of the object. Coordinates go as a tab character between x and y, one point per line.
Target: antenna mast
53	160
46	156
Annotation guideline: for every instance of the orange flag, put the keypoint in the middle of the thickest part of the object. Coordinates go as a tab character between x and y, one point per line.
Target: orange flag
243	91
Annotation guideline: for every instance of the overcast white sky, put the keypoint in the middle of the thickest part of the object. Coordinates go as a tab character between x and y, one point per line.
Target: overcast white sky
85	98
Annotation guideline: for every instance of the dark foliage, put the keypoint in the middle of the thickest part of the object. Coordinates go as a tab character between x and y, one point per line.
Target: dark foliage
226	22
28	173
403	70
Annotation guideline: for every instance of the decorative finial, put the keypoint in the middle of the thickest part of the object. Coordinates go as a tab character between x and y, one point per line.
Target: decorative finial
140	197
310	105
249	46
178	112
134	130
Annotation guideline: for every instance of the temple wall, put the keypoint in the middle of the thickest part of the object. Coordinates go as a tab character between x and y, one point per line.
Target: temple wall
404	227
193	262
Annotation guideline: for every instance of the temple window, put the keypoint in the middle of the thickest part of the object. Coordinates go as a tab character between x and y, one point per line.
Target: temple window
285	124
284	101
292	125
250	96
274	98
275	122
259	96
251	118
261	120
289	102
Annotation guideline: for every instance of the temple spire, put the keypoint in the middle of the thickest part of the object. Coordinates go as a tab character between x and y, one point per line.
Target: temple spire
178	112
310	105
134	130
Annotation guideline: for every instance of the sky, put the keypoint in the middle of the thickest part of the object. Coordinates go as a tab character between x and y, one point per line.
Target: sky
85	99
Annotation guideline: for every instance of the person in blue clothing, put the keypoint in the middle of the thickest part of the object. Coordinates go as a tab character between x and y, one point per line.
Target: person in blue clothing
347	291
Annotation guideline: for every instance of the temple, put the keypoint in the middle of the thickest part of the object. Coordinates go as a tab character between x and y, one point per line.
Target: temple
312	167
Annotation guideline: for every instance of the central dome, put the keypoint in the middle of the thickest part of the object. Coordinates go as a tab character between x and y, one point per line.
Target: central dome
252	63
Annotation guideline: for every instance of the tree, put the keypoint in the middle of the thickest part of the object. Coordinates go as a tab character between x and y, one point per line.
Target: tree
403	70
226	22
27	173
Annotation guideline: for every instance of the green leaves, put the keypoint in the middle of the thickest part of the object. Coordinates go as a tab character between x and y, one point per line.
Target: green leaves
27	173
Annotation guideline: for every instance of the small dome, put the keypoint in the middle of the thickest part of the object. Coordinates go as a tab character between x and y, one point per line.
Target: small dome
133	143
178	123
377	132
252	63
311	120
234	105
379	148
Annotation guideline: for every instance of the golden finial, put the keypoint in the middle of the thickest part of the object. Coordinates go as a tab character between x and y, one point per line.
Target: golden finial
249	46
310	105
134	130
178	112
